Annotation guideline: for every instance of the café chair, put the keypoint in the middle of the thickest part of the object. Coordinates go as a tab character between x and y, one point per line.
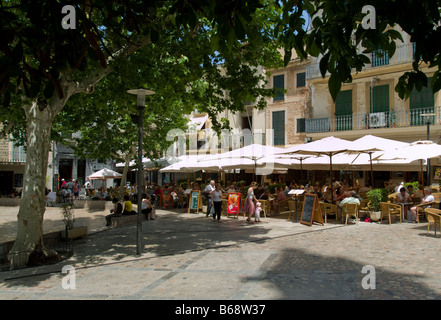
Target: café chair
421	209
433	217
364	207
292	209
350	209
328	209
395	210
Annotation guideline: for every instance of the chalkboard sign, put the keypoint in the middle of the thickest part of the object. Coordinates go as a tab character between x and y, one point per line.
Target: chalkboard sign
195	201
311	210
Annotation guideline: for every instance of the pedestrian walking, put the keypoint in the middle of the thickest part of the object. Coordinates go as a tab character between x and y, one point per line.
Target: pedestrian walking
216	198
249	206
208	190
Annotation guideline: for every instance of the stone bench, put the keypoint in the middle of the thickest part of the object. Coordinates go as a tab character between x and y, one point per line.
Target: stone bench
124	220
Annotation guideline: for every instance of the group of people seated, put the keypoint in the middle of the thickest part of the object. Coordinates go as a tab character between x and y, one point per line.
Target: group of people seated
125	208
410	197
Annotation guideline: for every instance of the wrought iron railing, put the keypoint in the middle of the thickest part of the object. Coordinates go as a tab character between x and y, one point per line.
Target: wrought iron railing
404	54
375	120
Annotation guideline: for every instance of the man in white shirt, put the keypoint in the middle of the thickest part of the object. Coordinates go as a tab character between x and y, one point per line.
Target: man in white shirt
208	190
428	197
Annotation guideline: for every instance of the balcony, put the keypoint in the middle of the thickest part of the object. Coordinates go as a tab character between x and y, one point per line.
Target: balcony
16	155
403	54
376	120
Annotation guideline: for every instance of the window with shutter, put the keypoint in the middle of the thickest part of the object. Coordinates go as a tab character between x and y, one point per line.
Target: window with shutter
279	83
279	127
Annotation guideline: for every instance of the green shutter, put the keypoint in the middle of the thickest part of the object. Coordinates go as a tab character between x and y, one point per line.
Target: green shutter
381	98
343	110
343	103
279	83
279	127
422	99
301	125
421	102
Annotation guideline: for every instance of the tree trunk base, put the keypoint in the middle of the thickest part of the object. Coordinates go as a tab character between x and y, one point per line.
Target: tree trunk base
37	257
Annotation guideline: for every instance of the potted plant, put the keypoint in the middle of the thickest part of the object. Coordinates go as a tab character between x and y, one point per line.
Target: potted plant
71	232
376	196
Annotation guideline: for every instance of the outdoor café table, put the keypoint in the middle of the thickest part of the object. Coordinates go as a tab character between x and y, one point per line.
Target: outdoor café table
403	206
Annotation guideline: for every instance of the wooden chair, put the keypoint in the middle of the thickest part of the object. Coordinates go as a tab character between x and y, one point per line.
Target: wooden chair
283	205
437	196
364	207
421	209
292	208
384	207
395	210
392	197
328	209
350	209
433	217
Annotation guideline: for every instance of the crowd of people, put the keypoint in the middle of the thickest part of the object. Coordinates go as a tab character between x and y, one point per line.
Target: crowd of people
339	193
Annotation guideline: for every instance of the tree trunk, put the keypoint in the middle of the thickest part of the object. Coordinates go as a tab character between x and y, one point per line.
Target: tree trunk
32	205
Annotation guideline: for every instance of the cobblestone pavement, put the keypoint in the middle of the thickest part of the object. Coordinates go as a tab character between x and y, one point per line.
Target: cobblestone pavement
188	256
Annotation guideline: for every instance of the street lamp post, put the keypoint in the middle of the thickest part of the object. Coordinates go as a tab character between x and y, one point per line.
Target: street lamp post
428	116
140	104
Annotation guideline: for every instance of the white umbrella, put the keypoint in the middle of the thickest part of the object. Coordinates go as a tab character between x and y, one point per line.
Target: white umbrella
375	143
419	150
329	146
248	156
106	174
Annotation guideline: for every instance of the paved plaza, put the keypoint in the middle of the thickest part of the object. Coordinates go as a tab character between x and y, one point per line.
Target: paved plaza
191	257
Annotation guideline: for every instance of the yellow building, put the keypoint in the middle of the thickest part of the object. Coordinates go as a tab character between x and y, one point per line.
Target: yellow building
370	105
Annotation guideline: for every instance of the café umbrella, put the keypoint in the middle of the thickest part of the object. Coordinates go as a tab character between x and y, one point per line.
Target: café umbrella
329	146
418	150
245	156
105	174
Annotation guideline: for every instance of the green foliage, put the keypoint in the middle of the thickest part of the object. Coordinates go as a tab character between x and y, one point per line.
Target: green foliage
337	34
415	185
376	196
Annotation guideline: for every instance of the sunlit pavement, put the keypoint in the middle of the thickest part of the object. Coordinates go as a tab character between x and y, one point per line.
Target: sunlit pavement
189	256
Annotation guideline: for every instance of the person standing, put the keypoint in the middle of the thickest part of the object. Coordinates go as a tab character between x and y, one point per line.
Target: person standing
216	198
208	190
249	207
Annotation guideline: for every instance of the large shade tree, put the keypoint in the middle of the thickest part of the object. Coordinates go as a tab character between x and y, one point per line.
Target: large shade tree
42	65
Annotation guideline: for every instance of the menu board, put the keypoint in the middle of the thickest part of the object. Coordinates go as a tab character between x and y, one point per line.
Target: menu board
195	201
311	210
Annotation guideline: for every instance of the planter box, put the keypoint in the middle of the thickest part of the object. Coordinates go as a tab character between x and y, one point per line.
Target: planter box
75	233
80	204
10	202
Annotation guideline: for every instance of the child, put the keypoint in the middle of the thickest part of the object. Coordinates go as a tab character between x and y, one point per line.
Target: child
258	210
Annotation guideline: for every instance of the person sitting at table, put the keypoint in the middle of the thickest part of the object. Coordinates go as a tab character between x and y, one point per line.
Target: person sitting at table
327	195
280	197
428	197
316	190
404	197
351	199
410	190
